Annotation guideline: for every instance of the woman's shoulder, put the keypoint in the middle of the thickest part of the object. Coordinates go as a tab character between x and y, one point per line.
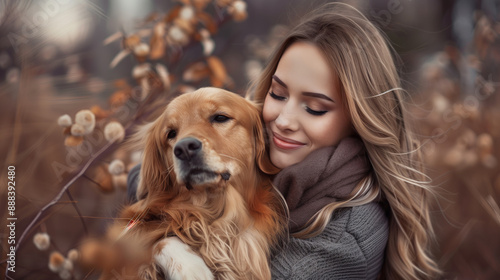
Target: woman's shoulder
361	222
366	225
350	247
365	218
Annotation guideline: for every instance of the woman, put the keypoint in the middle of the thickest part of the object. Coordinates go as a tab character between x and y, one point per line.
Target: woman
336	124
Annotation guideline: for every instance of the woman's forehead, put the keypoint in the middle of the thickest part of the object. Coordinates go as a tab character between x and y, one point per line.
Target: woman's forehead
303	67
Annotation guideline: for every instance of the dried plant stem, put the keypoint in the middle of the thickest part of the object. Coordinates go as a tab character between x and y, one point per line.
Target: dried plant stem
92	180
73	202
56	199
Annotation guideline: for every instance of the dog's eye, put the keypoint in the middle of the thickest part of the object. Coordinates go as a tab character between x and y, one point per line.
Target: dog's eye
171	134
220	118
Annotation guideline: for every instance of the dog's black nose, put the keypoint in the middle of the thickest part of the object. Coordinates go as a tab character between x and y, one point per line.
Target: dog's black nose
186	148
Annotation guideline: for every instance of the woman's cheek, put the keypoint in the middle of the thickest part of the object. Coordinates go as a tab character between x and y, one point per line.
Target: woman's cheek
269	112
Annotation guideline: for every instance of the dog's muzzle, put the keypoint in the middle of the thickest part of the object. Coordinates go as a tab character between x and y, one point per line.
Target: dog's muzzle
192	168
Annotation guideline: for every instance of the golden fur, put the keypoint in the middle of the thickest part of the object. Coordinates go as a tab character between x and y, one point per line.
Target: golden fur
228	212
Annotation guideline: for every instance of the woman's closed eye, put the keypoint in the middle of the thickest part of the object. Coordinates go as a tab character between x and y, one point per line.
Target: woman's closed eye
308	109
277	97
315	112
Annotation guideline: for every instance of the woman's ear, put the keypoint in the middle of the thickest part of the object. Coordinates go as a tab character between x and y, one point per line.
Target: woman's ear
154	176
261	151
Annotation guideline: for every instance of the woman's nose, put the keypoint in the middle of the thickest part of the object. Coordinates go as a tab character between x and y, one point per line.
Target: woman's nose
286	120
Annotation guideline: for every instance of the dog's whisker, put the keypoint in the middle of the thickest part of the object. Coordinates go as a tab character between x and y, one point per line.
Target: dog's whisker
169	169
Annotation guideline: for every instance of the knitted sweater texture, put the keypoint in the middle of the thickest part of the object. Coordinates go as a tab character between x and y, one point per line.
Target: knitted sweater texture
351	247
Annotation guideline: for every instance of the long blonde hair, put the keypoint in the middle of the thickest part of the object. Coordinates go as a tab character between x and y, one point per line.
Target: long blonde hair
372	94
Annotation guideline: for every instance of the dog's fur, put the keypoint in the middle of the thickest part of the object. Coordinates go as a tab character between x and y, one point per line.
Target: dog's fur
204	181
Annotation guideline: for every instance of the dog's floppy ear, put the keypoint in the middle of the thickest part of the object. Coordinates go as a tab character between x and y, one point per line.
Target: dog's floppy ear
154	174
261	153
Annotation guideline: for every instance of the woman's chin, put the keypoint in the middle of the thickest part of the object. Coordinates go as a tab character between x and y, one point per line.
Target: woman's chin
282	160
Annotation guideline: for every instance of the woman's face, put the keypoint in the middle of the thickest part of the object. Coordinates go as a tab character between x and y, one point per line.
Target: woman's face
303	110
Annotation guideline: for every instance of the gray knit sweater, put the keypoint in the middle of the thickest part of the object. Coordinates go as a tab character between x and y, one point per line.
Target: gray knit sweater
351	247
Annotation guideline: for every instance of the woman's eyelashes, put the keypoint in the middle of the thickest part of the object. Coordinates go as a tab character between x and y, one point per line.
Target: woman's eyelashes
277	97
314	112
308	109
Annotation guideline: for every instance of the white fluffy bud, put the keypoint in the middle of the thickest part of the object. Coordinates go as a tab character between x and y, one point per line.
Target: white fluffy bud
42	241
77	130
116	167
114	131
64	121
86	119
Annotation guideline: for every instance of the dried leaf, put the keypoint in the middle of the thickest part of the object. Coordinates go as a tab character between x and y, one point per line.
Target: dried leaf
113	37
99	112
208	21
185	25
217	68
144	32
121	84
67	130
103	178
157	49
163	75
216	82
173	14
72	141
120	181
196	72
200	4
119	98
157	42
131	41
145	88
119	57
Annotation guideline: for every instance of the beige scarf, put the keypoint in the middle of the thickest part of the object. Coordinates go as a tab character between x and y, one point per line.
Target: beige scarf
326	175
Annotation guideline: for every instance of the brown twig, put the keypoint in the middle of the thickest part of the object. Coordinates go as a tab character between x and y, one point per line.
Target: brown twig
56	199
92	180
77	211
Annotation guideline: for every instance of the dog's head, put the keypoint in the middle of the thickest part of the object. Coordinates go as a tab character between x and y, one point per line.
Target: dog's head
203	138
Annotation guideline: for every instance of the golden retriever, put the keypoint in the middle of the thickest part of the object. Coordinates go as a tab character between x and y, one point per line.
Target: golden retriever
204	192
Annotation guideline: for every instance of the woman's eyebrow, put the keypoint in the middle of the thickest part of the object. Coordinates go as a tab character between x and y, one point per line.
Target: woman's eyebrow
317	95
279	81
306	93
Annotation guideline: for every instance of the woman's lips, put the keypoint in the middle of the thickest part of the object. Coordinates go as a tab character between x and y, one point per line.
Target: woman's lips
285	143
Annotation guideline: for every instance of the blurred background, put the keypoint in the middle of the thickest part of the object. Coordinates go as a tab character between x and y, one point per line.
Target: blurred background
78	76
